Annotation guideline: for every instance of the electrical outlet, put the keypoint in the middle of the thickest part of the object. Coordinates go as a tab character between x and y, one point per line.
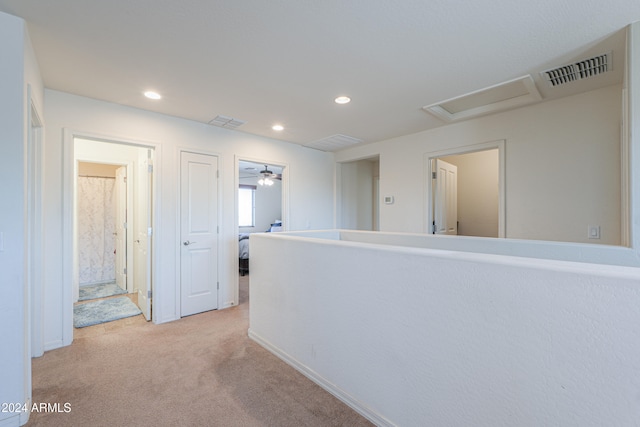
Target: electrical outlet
594	232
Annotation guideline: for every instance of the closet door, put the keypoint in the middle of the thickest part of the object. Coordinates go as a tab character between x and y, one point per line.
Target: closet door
198	233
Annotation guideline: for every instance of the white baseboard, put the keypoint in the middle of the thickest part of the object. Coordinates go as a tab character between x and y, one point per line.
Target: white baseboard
52	345
340	394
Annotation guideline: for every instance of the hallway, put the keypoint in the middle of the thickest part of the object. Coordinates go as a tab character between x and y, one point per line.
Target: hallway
200	370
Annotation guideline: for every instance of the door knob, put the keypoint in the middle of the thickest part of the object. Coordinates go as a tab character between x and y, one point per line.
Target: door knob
187	243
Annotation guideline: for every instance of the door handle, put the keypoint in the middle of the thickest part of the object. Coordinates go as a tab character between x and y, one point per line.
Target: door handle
187	243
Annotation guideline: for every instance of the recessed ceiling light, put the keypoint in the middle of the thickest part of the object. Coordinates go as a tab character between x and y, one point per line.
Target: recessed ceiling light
342	100
152	95
277	127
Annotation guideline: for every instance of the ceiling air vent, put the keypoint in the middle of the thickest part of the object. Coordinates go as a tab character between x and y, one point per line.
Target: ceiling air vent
226	122
334	142
579	70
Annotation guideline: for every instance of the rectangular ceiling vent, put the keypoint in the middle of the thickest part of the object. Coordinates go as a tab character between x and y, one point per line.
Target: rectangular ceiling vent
334	142
503	96
578	70
226	122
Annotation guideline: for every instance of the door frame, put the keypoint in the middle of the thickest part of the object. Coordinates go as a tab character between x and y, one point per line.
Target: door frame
340	197
128	218
130	213
35	264
69	241
428	189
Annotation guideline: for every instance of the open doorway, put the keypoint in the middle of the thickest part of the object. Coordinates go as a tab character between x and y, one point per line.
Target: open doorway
261	203
102	231
358	203
466	191
112	223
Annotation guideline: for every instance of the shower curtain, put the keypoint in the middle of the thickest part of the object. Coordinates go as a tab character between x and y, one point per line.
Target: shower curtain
96	228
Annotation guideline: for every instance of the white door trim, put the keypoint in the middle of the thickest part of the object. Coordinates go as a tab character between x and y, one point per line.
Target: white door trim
428	190
69	250
35	268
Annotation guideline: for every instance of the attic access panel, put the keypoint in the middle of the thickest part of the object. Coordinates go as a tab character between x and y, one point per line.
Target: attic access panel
511	94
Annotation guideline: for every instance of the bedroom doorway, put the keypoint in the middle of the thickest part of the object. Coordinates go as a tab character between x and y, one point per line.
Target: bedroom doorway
466	191
261	203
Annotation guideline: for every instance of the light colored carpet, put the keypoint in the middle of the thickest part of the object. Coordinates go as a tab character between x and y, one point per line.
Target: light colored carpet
99	291
102	311
201	370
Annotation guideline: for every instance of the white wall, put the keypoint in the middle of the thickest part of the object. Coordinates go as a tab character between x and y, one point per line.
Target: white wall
413	337
562	167
18	71
310	189
478	195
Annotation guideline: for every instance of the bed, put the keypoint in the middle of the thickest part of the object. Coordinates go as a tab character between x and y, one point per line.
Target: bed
243	255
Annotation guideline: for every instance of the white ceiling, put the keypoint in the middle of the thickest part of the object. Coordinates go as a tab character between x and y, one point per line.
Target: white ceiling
251	169
286	60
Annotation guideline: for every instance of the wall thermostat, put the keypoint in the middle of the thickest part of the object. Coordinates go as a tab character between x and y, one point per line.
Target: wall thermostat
388	200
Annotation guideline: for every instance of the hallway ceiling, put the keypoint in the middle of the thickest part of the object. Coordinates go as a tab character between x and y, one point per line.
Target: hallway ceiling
284	61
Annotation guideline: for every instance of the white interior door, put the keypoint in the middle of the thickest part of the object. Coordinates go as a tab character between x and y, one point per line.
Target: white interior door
121	226
198	233
446	198
143	232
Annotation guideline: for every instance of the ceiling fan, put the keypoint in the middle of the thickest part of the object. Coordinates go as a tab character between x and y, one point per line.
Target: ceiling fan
268	176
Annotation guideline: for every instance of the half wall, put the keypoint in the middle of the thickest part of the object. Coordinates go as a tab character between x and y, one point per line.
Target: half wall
410	335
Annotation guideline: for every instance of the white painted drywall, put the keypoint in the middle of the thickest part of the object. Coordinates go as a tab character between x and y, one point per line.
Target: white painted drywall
412	336
310	189
478	195
97	169
562	167
632	124
12	224
18	71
